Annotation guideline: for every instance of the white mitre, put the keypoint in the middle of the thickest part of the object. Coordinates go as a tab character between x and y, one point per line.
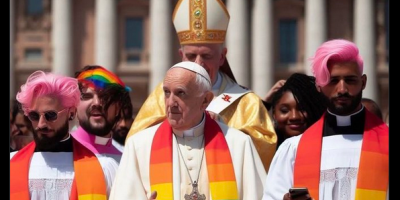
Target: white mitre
200	21
194	67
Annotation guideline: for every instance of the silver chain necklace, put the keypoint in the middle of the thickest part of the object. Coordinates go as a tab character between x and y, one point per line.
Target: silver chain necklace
194	195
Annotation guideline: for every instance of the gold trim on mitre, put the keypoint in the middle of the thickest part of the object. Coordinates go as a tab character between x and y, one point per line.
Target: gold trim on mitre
200	21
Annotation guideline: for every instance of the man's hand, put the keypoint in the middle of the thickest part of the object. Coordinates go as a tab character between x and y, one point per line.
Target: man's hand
272	91
153	195
304	197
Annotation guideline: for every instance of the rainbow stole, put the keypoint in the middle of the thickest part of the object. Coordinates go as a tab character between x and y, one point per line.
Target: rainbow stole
219	162
100	78
373	172
88	183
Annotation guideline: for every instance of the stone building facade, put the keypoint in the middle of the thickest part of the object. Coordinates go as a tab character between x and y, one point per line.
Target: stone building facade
267	40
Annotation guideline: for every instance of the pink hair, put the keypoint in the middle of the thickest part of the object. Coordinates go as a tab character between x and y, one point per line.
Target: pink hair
40	84
333	51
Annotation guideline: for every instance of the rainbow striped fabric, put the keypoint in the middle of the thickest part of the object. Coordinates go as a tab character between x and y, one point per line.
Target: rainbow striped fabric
219	162
88	184
373	172
100	78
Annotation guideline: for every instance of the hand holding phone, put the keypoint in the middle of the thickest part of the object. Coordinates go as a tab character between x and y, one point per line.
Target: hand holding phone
299	192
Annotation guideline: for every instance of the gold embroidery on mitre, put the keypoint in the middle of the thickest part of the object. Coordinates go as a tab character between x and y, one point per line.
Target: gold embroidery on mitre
198	32
209	36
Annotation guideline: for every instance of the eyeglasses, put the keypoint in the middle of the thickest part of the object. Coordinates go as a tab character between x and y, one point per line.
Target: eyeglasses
48	115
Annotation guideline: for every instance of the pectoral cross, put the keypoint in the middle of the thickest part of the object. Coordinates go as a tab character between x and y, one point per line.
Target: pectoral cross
195	195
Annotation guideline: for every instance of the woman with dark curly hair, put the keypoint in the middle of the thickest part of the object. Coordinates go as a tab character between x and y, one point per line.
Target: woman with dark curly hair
296	106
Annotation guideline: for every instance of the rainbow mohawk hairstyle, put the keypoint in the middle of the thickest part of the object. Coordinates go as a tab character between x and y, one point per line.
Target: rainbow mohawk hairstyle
100	78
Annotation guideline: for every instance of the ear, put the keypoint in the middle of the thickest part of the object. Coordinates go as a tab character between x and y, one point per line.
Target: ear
208	97
364	81
223	56
72	114
181	52
318	87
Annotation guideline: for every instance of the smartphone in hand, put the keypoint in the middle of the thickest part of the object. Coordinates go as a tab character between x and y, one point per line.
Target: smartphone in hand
298	192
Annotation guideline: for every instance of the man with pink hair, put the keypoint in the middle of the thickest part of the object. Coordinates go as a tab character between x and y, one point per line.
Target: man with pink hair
55	165
344	155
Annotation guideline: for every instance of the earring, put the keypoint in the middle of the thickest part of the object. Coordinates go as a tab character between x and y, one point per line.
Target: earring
71	117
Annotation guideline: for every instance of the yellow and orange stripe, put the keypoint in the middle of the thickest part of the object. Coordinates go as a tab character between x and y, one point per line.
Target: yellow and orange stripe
219	162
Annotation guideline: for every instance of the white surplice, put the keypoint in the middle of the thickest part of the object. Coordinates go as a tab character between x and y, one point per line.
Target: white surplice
340	158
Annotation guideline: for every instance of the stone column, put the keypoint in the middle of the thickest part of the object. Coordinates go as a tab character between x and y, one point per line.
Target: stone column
62	37
315	32
160	40
364	37
106	34
262	47
238	41
12	69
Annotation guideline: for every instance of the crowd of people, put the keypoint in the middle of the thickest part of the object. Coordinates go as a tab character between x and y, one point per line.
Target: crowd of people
200	134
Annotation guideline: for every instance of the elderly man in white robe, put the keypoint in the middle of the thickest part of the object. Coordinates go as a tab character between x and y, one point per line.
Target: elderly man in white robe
189	155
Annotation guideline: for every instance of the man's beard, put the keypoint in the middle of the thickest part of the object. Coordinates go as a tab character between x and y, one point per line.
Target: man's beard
47	143
344	109
101	131
120	135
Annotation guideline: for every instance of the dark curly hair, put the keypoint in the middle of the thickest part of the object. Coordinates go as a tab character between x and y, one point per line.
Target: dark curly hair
307	97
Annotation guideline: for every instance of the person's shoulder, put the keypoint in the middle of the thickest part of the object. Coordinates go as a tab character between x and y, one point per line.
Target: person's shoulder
233	132
252	99
248	95
252	95
145	131
143	134
292	141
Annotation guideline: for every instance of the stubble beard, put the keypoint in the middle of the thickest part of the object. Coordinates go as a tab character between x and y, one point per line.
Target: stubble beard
48	143
98	131
344	110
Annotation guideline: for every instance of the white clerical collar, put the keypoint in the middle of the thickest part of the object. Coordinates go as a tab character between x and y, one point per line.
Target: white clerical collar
217	85
69	135
345	120
101	140
193	132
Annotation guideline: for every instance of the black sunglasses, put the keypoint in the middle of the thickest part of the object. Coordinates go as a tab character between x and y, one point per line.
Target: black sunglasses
48	115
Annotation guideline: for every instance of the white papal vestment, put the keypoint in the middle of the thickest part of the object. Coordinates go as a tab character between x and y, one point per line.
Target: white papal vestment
132	180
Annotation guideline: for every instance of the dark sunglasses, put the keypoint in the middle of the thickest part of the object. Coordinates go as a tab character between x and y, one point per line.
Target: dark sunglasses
48	115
